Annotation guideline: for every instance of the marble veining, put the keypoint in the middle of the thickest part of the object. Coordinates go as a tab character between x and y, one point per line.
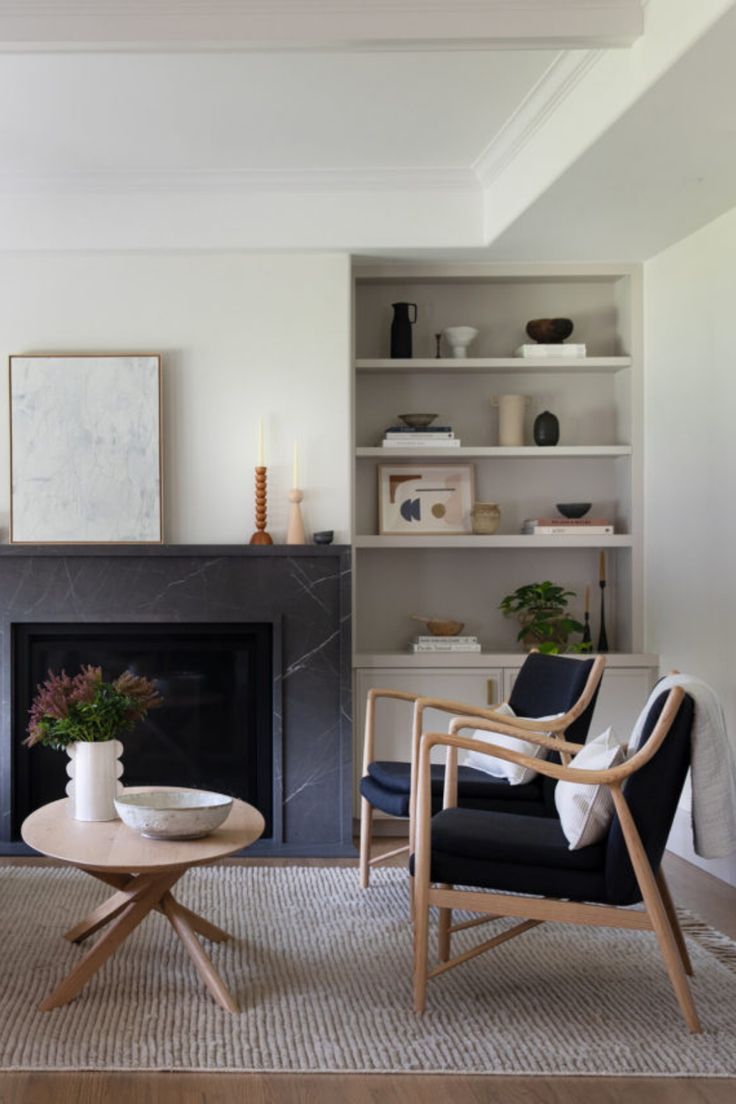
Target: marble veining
304	592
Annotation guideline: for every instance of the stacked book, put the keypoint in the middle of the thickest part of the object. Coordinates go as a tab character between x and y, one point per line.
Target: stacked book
551	351
555	527
427	437
444	644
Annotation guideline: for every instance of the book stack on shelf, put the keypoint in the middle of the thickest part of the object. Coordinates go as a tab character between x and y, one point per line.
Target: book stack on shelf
436	644
408	437
565	527
551	351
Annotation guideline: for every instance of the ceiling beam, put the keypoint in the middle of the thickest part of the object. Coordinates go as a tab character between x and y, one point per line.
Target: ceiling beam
32	25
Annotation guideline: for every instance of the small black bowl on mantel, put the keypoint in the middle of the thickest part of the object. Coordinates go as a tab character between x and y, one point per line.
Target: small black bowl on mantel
550	331
325	536
573	509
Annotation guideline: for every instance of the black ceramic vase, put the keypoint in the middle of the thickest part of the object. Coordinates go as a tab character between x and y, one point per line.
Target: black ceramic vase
546	429
401	330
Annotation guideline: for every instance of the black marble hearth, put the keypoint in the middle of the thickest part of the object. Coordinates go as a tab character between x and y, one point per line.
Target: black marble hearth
69	601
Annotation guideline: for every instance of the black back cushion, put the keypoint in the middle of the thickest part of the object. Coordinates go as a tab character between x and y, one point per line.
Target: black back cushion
652	794
549	684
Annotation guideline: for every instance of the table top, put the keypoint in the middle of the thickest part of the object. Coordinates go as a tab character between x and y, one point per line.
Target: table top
110	845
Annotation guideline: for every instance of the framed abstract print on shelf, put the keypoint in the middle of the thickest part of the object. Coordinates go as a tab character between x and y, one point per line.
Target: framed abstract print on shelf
85	445
425	499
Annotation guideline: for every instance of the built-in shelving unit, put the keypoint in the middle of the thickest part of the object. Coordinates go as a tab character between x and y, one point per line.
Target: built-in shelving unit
598	459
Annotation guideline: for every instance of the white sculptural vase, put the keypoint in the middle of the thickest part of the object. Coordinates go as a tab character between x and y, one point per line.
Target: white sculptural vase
94	770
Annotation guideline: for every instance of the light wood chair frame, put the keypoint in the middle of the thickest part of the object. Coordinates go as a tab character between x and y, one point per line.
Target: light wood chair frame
658	913
519	725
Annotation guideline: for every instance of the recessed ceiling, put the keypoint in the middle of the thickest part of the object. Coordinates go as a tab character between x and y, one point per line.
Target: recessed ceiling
219	113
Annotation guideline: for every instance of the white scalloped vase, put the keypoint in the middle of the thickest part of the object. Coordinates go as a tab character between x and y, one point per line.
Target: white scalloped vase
94	771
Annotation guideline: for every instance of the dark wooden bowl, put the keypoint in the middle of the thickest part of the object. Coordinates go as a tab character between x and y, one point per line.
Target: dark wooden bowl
550	331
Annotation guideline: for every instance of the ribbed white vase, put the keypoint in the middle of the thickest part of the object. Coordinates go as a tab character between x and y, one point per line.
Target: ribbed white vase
94	770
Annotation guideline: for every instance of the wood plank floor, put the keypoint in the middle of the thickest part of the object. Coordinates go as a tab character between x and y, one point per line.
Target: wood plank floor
711	899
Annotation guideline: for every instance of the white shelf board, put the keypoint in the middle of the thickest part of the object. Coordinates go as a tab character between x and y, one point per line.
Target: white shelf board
494	452
490	365
483	659
512	540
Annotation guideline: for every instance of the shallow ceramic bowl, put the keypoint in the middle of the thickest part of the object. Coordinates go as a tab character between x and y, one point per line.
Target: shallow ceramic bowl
173	814
417	421
573	509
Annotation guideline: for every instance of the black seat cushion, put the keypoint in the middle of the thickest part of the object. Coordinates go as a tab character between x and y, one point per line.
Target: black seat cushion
515	853
386	786
396	777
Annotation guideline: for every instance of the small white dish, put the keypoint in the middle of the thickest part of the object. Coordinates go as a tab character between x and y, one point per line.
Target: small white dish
173	814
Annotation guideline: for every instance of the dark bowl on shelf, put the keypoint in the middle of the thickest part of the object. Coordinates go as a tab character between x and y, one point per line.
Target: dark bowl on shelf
550	331
417	421
573	509
325	536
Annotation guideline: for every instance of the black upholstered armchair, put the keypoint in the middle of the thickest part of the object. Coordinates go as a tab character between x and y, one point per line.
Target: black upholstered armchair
516	855
545	685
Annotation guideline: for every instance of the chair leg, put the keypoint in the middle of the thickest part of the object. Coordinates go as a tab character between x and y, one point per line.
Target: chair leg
421	945
657	912
444	934
671	911
366	829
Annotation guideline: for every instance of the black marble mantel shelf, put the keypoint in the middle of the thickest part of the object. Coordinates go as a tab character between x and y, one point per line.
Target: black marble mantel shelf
303	591
290	550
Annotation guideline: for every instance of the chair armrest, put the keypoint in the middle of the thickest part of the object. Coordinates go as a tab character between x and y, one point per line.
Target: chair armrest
508	726
373	696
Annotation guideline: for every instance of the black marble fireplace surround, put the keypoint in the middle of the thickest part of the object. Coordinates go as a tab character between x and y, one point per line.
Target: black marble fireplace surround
299	597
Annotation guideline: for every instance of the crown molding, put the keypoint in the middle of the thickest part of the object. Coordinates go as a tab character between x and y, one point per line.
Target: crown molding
555	84
242	182
33	25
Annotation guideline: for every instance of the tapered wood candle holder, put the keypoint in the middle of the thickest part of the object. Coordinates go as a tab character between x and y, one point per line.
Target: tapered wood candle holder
261	536
295	531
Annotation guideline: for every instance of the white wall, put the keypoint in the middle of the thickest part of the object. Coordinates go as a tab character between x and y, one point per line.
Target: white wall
241	335
690	470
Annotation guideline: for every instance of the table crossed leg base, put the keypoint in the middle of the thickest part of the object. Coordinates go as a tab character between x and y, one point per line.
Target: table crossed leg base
139	894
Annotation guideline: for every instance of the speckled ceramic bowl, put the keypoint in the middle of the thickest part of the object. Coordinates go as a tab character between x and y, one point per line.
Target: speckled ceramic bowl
173	814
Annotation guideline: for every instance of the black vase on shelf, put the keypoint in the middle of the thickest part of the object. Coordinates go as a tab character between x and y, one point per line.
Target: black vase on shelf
546	429
401	331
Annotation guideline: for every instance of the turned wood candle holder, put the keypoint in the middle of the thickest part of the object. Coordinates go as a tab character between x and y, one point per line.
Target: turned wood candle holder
261	536
295	532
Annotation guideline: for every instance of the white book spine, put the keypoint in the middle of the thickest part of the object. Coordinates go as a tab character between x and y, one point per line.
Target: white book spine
455	443
552	351
568	530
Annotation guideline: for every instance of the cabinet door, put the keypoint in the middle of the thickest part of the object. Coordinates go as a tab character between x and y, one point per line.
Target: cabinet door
481	687
622	696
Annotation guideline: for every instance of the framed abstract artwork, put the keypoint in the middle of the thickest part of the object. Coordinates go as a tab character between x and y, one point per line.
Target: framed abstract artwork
85	449
425	499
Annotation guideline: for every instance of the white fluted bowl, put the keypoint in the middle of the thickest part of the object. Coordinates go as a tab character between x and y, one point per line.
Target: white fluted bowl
173	814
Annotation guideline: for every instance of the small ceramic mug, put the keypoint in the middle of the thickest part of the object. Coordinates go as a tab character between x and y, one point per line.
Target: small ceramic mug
486	517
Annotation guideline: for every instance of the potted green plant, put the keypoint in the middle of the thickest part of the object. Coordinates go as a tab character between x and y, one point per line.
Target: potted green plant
541	609
85	715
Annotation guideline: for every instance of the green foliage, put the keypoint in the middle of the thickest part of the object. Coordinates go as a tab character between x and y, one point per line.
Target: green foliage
545	623
86	708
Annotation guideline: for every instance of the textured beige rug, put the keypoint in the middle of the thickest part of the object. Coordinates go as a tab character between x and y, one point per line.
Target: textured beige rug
322	971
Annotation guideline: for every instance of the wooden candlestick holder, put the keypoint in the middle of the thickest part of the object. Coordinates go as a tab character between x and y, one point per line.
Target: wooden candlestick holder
261	536
295	532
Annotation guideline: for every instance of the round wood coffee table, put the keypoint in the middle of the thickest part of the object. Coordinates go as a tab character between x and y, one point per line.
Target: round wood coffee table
143	872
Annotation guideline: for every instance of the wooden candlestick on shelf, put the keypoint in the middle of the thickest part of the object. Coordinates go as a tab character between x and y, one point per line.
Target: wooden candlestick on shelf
261	536
295	532
587	639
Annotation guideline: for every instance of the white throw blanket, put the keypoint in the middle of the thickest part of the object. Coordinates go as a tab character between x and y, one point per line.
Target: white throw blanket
713	767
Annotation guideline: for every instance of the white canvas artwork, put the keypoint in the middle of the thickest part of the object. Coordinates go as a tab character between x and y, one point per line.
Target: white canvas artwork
86	456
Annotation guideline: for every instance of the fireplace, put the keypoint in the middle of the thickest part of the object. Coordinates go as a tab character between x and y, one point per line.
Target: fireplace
213	731
251	646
